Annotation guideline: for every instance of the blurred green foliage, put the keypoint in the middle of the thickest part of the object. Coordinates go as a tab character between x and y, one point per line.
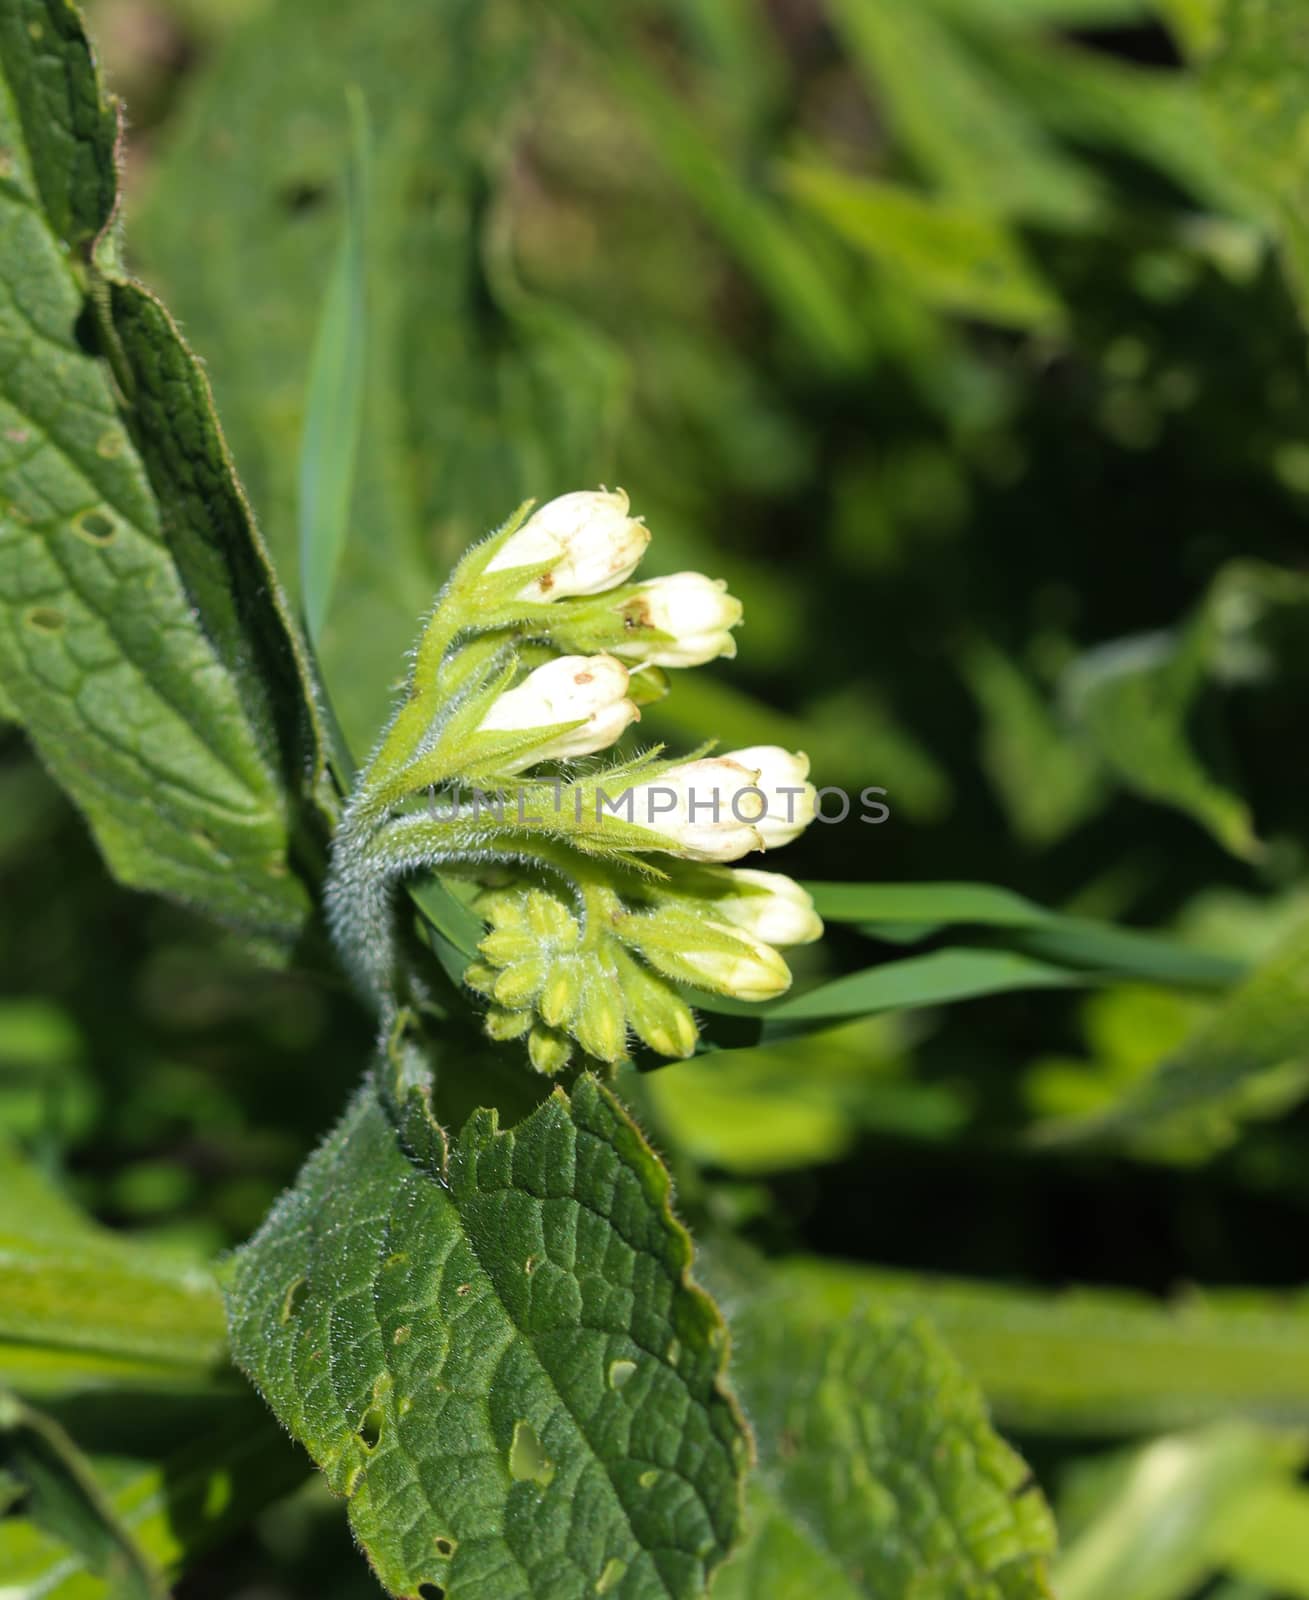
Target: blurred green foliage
959	336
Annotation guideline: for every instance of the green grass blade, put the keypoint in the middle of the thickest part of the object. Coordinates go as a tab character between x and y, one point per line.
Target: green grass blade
334	406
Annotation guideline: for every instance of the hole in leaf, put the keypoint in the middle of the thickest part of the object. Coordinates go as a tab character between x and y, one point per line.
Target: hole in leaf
444	1546
620	1372
528	1462
430	1591
96	527
45	619
369	1432
307	195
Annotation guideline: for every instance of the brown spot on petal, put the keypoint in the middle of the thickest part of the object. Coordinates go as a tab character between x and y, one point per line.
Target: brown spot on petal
584	677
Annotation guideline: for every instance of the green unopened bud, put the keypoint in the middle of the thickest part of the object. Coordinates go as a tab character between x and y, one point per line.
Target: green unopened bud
503	946
481	978
708	954
549	1052
561	992
600	1022
507	1024
659	1016
549	918
520	984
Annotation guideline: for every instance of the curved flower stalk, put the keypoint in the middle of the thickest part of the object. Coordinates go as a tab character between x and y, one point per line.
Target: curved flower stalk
605	890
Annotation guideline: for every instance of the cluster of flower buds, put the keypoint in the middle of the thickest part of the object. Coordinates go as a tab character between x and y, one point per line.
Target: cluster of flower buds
604	890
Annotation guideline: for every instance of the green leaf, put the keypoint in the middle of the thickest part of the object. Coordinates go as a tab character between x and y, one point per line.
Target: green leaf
1133	697
71	1289
1094	1362
1164	1531
1047	782
1249	55
141	639
954	257
1016	14
172	1509
62	1498
498	1356
788	270
473	400
905	912
1263	1025
929	905
794	1103
1265	1537
970	136
334	403
1156	116
878	1474
63	157
930	980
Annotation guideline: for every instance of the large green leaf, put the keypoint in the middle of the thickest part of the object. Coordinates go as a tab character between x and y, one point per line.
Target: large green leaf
141	638
879	1473
78	1303
1093	1361
498	1355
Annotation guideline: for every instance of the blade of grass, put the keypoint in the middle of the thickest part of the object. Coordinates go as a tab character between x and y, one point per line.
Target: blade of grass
334	406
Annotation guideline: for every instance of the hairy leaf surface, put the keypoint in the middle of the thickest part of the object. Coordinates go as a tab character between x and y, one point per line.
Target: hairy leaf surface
879	1472
500	1360
141	639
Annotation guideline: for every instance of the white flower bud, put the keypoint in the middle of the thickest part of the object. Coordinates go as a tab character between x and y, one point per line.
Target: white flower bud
589	690
770	906
588	537
696	612
755	973
711	955
708	810
783	777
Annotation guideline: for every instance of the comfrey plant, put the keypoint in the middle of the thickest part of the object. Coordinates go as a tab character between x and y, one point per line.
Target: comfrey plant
475	1307
604	885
